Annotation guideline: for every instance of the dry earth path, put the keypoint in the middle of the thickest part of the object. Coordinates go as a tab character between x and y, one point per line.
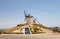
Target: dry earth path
34	36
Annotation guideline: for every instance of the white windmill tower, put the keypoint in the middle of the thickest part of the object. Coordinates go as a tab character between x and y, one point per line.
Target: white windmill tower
29	21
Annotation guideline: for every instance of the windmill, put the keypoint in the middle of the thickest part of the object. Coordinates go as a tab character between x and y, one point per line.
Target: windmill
29	16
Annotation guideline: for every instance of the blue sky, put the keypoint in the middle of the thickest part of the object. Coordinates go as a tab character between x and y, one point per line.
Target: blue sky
47	12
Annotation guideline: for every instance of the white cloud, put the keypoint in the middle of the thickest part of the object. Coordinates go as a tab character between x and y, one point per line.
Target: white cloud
43	13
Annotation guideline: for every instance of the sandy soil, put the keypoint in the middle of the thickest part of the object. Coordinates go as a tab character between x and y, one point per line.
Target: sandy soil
34	36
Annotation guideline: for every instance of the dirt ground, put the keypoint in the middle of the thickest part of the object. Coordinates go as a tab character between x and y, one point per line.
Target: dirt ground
32	36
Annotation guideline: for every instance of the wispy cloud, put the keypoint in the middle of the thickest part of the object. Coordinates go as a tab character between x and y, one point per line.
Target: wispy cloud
43	13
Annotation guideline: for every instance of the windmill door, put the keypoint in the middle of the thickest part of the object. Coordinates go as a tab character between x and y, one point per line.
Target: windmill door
27	31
